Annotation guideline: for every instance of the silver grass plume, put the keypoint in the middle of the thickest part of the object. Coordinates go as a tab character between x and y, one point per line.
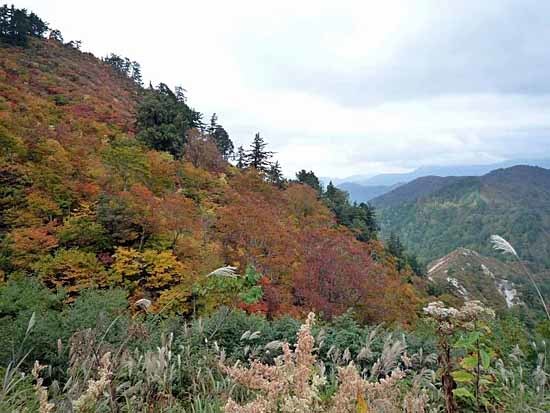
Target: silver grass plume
500	244
227	271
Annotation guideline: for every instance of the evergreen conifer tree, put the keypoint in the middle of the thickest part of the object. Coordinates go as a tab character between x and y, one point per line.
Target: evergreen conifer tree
309	178
275	175
163	119
16	26
257	157
56	35
136	73
241	158
221	137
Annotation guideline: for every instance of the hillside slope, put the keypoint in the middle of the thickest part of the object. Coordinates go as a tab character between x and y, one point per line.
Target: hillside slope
83	204
471	276
52	90
434	216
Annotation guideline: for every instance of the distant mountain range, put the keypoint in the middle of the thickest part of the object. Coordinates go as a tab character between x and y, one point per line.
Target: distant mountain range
457	170
435	215
362	193
363	188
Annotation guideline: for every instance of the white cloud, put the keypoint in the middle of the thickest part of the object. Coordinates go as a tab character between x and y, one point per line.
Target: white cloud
342	87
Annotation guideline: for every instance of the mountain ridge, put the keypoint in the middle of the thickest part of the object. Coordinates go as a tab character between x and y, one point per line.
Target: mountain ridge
364	188
435	215
468	275
439	170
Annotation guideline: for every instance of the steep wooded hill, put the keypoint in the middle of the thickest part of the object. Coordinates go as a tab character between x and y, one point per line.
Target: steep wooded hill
84	204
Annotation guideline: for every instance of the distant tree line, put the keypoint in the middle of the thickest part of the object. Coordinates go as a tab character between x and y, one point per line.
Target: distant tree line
259	158
125	66
17	25
164	120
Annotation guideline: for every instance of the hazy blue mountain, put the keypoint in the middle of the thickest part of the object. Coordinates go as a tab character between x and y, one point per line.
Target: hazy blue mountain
362	193
434	170
338	181
455	170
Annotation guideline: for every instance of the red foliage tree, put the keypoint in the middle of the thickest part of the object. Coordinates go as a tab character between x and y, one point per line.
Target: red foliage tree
335	273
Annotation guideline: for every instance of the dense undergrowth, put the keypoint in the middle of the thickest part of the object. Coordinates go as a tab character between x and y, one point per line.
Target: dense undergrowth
99	355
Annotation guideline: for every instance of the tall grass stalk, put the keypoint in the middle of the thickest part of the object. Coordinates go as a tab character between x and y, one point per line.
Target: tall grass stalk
500	244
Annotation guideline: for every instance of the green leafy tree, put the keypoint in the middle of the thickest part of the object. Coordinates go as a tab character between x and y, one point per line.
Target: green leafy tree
127	162
224	287
19	299
83	232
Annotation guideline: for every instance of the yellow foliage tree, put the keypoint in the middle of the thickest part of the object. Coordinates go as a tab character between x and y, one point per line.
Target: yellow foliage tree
157	274
72	270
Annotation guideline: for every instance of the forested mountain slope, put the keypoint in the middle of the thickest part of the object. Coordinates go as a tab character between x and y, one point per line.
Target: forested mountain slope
433	216
105	183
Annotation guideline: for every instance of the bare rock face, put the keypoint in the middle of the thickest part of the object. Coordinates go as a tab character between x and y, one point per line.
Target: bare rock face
470	276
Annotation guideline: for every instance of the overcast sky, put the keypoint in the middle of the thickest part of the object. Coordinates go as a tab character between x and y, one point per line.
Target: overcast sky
342	87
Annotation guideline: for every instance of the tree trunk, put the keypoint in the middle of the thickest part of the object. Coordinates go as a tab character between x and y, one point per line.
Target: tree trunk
447	380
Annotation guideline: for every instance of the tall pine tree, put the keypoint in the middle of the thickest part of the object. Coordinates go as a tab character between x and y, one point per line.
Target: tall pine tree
241	158
257	157
275	175
221	137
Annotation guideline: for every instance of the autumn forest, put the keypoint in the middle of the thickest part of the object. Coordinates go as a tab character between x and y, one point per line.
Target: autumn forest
142	255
